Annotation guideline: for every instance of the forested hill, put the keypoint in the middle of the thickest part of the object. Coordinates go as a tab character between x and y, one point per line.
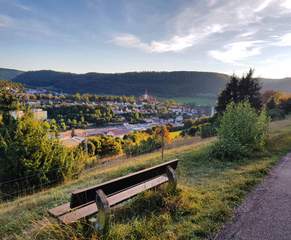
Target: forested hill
162	84
283	84
9	74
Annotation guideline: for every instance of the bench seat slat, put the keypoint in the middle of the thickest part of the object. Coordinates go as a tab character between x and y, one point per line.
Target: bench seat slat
60	210
83	196
91	209
131	192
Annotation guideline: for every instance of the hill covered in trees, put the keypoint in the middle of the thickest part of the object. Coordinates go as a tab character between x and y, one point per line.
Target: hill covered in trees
9	74
283	84
162	84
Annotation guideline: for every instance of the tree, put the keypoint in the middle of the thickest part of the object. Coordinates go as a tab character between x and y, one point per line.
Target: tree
163	135
241	89
27	151
9	95
242	131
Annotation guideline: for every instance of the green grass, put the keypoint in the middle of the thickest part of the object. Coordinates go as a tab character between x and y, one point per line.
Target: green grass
208	192
202	101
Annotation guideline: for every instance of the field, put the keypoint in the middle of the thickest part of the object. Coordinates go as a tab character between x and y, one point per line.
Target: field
201	101
208	192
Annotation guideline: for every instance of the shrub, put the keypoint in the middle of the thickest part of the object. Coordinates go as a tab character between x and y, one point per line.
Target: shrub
29	153
207	130
241	132
192	131
276	114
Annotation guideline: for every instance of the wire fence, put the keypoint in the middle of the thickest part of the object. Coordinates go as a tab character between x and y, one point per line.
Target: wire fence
30	184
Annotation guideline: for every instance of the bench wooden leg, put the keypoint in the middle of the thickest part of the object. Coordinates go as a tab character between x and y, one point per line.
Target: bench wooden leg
103	214
172	178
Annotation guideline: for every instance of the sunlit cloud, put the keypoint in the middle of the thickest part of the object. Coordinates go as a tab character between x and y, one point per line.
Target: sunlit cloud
286	4
237	51
174	44
263	5
284	40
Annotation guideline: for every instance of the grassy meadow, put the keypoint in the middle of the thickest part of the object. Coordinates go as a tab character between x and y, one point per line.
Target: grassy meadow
208	192
198	100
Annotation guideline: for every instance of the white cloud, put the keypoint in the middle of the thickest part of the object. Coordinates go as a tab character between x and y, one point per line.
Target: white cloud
174	44
5	21
284	40
21	6
286	4
131	41
243	22
263	5
237	51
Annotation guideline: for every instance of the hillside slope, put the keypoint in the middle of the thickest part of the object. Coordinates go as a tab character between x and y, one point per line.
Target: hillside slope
209	192
161	84
179	84
283	84
9	74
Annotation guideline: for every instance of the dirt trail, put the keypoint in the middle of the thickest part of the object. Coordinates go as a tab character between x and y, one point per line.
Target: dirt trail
266	213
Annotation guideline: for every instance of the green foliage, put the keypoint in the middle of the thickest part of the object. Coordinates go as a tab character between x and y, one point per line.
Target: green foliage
133	117
78	116
242	131
163	84
9	95
208	130
102	146
241	89
145	145
276	114
193	130
27	151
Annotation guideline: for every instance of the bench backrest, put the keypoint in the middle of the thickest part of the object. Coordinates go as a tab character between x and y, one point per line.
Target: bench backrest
84	196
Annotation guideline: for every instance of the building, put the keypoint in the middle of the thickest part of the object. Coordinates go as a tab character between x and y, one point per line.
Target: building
39	114
147	98
16	114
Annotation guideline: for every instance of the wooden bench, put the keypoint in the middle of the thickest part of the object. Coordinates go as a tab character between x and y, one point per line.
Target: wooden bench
99	198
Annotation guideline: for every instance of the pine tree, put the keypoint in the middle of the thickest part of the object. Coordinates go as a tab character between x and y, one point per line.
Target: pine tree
241	89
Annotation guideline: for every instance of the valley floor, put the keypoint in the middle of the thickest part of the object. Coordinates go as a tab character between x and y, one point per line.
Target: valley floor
209	191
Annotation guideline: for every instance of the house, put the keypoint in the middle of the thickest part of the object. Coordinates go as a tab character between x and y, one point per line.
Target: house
16	114
118	132
39	114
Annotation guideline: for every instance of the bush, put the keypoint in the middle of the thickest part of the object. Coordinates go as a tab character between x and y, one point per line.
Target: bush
276	114
207	130
241	132
192	131
103	146
29	153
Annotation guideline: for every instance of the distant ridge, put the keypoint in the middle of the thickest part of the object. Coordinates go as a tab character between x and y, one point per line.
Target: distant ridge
9	74
283	84
161	84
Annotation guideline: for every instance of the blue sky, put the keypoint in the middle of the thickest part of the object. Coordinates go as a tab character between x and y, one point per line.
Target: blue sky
142	35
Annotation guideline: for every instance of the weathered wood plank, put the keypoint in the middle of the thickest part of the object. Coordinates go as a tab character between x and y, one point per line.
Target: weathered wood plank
60	210
131	192
115	199
83	196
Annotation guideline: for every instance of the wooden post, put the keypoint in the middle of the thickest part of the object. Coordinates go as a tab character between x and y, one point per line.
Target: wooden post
172	178
163	143
103	214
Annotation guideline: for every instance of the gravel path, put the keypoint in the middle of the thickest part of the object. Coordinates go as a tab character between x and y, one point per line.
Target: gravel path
266	213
